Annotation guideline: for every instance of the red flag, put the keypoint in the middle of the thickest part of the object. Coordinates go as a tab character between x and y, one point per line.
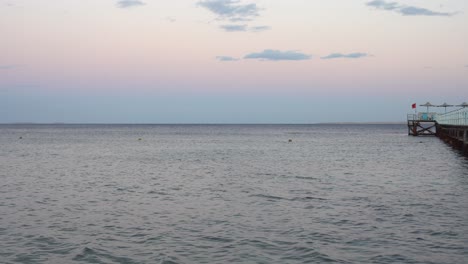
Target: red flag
413	106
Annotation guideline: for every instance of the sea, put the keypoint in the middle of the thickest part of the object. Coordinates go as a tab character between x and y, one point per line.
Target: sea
230	194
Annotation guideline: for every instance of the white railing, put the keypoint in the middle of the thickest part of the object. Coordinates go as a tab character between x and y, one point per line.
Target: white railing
457	118
422	116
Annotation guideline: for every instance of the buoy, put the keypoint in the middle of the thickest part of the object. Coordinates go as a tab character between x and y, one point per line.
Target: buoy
290	140
20	137
139	139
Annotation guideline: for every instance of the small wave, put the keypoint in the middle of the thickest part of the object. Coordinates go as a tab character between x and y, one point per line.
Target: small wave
44	242
273	197
157	192
307	254
169	260
445	233
268	197
392	258
218	239
308	198
90	255
265	174
306	178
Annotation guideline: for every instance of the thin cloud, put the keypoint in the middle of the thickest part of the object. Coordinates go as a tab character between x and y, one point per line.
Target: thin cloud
231	10
234	28
277	55
129	3
9	66
406	10
226	58
234	11
418	11
259	28
244	28
383	5
355	55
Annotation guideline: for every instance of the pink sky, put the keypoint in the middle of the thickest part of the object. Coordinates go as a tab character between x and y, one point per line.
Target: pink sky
171	47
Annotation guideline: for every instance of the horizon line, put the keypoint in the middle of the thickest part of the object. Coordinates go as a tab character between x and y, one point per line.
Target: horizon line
319	123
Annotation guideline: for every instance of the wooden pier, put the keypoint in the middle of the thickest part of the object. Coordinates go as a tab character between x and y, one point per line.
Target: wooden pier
456	136
419	126
450	127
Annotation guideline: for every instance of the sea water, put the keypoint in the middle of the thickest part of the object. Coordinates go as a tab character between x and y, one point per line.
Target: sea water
230	194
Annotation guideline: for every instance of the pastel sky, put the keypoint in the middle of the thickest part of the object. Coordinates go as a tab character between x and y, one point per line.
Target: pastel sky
229	61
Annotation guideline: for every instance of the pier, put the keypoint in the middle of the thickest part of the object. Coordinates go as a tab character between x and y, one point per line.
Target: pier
451	127
422	124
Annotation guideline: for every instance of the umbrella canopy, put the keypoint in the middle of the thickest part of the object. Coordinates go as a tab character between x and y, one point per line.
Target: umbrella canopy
445	105
427	105
464	104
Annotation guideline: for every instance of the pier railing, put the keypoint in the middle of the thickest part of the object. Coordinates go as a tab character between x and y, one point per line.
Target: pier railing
422	117
456	118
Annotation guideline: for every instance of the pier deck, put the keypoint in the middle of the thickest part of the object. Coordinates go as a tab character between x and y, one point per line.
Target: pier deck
450	127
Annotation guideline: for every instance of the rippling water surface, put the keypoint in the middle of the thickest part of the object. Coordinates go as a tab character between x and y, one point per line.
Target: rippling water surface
219	194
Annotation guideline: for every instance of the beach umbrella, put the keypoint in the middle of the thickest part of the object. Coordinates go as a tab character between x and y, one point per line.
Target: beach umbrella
427	105
464	104
445	105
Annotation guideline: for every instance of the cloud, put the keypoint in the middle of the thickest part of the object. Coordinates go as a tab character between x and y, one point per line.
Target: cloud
417	11
355	55
226	58
277	55
380	4
259	28
234	28
231	10
406	10
234	11
243	28
129	3
9	67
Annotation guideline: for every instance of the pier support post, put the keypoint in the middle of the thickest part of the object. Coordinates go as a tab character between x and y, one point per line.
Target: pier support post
465	141
452	128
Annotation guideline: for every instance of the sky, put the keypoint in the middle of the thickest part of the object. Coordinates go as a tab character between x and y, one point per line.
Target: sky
229	61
